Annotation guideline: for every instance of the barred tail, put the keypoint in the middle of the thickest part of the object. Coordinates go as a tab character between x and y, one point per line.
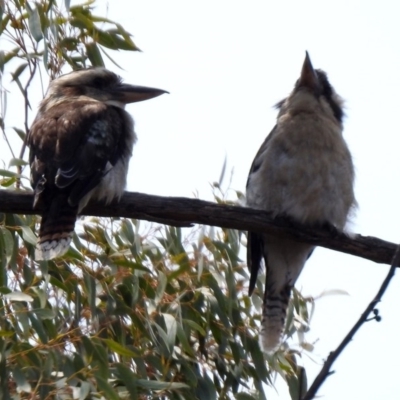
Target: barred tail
274	317
284	259
56	229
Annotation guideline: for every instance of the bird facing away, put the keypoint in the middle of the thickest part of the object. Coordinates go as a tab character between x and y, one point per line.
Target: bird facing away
80	145
303	170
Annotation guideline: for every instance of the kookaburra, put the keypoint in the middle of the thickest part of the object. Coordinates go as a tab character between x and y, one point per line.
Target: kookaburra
80	145
303	170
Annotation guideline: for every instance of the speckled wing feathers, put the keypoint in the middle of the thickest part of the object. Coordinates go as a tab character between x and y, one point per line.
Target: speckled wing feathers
83	141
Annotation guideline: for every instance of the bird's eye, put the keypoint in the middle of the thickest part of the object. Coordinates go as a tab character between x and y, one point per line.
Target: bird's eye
98	83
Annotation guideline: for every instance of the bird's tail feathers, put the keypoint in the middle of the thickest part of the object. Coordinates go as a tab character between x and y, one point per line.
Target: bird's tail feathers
52	248
56	229
285	260
273	319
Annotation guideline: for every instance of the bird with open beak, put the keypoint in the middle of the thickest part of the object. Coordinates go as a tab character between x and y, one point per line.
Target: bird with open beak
80	144
303	170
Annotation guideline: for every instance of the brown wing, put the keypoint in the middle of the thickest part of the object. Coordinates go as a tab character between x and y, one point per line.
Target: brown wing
255	244
72	146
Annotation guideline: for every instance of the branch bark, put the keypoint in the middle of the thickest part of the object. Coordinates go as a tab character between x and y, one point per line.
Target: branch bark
180	211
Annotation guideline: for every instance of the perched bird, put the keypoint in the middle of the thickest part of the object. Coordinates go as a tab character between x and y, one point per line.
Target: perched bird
303	170
80	145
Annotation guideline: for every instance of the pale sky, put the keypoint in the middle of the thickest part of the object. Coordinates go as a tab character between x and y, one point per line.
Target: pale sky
226	63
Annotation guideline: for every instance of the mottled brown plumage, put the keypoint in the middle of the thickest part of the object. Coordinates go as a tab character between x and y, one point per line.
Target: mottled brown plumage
81	141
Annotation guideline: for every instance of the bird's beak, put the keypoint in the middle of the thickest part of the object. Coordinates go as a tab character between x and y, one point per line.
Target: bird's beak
131	94
308	77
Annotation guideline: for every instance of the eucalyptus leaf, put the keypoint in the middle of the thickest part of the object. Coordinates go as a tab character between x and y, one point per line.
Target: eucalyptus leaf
18	296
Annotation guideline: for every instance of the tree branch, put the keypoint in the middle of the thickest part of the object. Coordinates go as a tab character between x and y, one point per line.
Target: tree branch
180	211
326	369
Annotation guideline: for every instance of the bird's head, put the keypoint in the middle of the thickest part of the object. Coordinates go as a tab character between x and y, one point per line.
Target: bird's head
96	84
313	88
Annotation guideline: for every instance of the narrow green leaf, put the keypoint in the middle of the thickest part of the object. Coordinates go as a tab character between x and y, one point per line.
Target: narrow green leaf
84	390
333	292
18	296
4	22
104	39
82	22
45	313
258	358
195	326
34	23
200	266
6	333
37	326
94	55
56	282
124	262
21	381
128	231
184	342
67	4
164	336
6	245
123	43
73	254
157	385
206	389
91	292
245	396
126	35
171	325
70	43
46	54
2	62
9	174
128	378
22	318
123	351
89	347
16	162
100	359
109	241
32	355
78	303
217	310
110	58
162	283
28	235
293	385
106	389
8	182
222	174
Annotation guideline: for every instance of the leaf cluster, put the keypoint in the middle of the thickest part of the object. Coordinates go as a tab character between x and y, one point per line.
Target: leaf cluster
57	35
131	314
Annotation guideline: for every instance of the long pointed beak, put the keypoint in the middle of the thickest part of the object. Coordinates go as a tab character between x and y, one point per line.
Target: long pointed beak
308	77
132	94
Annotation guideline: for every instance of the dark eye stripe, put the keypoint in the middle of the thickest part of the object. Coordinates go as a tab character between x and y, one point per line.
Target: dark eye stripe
337	110
328	93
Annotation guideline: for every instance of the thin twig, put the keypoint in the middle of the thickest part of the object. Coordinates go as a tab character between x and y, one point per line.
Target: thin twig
32	63
27	106
326	369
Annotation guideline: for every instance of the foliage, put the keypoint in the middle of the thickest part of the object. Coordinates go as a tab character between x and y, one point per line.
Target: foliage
133	310
133	315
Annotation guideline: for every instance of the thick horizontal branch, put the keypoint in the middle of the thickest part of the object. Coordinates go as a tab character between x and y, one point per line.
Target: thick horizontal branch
180	211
